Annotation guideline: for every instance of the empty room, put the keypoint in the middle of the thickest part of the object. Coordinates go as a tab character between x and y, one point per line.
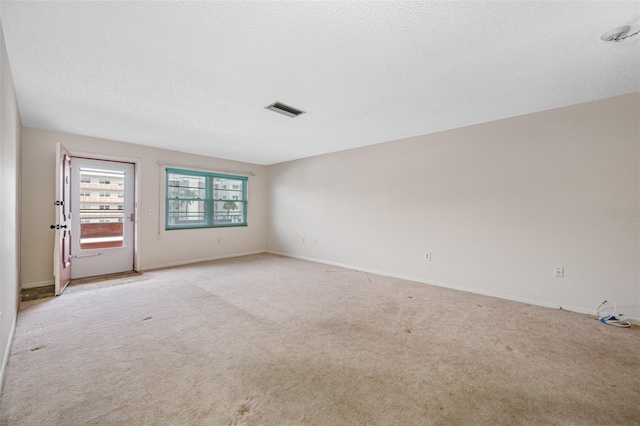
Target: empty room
326	213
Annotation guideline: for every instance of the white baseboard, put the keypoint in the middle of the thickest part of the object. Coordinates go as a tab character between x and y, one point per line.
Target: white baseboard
199	260
542	303
38	284
5	356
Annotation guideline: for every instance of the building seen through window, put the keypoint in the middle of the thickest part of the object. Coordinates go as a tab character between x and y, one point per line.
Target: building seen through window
101	190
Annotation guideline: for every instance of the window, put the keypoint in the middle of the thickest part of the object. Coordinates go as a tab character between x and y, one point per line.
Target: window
105	207
85	194
194	200
105	181
85	179
120	207
120	195
105	194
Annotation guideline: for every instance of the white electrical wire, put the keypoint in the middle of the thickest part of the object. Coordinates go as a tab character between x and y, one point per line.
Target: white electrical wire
612	319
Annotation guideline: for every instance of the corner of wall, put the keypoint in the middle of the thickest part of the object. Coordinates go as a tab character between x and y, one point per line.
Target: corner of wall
10	163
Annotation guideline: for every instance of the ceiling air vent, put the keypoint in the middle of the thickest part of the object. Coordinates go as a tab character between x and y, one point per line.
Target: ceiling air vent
283	109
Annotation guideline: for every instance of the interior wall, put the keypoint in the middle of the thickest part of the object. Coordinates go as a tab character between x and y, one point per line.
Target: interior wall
156	247
10	127
498	205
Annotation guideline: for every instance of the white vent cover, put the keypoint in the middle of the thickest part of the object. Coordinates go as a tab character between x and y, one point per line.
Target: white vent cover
283	109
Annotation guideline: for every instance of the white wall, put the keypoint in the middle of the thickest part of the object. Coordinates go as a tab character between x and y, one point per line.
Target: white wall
157	247
498	205
10	128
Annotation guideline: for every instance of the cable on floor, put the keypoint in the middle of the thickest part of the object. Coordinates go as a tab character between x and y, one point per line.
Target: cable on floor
612	319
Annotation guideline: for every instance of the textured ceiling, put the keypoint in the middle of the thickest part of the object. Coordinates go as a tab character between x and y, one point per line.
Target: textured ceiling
196	76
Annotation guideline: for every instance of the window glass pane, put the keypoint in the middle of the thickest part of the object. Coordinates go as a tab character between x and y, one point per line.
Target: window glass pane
185	186
186	212
198	199
228	212
227	189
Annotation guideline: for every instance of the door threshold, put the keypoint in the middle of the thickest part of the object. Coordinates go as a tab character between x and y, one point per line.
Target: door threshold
111	280
100	278
82	284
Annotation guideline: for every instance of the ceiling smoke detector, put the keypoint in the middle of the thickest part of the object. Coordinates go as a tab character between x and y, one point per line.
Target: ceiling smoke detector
618	34
283	109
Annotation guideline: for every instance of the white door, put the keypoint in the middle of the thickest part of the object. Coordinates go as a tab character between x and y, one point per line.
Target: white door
103	217
62	225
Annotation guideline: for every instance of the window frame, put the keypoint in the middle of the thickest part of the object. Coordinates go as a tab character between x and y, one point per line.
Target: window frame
209	200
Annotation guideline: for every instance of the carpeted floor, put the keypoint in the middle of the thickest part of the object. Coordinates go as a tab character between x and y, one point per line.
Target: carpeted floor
268	340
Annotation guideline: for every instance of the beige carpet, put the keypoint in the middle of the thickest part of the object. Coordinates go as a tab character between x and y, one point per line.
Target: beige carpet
267	340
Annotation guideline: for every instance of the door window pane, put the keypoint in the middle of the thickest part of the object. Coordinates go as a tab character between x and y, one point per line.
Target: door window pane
101	223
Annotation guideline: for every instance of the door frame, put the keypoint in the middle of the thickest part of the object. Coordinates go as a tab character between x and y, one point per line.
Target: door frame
136	191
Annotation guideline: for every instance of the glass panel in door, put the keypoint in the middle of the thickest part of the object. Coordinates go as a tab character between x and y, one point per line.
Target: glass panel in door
102	194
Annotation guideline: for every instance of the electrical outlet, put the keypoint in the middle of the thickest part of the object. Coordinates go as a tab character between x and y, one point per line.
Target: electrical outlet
558	272
427	256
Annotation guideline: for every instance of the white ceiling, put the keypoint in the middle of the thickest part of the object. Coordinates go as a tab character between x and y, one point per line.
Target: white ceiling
196	76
